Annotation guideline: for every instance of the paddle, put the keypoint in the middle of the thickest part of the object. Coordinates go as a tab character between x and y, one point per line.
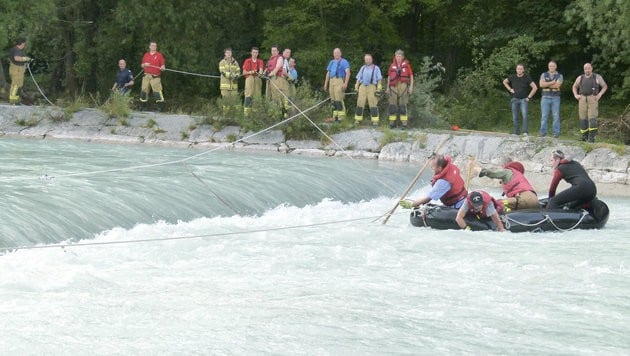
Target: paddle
471	161
413	182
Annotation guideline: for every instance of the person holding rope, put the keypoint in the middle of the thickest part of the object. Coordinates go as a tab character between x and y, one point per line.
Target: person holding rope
337	78
277	86
447	185
124	79
369	81
17	68
399	88
253	68
230	72
153	64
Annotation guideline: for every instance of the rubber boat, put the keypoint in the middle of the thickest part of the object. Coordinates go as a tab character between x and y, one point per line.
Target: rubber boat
532	220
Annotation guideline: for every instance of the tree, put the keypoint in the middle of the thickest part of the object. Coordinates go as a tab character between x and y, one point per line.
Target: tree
604	25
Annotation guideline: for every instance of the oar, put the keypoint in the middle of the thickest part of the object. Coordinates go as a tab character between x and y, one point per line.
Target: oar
413	182
471	160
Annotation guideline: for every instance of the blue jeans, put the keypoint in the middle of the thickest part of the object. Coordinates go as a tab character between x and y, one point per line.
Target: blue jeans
522	105
550	103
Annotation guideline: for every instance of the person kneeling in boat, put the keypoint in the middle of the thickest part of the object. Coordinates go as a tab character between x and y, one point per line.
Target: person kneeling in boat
482	205
447	185
582	190
519	192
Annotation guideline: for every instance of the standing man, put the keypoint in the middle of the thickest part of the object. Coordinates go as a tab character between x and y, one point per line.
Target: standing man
277	85
230	72
399	88
124	79
550	82
337	78
252	69
153	65
587	90
17	67
522	88
292	78
369	80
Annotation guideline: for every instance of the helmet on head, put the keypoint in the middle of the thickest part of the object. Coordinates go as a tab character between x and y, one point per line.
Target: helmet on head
476	198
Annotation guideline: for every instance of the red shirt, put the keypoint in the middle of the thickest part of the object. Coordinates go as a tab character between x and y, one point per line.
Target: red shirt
252	65
155	60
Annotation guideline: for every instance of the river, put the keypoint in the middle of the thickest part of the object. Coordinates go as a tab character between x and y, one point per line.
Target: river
133	249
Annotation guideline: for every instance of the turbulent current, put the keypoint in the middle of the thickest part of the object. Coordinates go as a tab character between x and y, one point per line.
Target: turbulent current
116	249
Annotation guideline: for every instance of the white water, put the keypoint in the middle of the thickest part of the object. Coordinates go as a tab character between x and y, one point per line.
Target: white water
283	258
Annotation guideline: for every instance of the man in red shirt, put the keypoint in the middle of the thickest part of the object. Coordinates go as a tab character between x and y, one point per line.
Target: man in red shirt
252	70
153	65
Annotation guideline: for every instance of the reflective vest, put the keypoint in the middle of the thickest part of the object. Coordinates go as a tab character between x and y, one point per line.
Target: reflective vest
234	71
550	78
487	198
399	73
450	173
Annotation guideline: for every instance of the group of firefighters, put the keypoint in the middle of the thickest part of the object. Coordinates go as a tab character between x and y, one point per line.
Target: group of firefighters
281	74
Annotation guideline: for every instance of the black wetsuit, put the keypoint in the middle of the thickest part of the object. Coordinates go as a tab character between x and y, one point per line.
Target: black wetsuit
582	188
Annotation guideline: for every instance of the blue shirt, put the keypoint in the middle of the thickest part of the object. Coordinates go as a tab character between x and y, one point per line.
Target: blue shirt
369	74
337	68
293	74
440	187
123	77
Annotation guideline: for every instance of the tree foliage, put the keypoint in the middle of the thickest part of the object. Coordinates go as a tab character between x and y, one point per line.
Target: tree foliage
77	43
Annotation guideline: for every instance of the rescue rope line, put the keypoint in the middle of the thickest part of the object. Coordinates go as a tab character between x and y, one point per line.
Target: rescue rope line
167	163
37	85
302	113
243	232
187	73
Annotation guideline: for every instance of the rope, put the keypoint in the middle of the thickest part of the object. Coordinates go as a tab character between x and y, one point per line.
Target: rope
167	163
548	218
300	112
37	85
96	243
187	73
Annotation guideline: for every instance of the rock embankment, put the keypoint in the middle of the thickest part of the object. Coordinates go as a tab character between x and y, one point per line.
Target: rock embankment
608	167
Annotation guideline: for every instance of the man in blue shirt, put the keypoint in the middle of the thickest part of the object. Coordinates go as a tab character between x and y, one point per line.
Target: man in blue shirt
550	83
337	75
369	81
124	79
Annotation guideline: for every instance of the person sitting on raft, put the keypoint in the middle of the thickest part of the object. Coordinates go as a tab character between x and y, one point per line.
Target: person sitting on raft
582	190
447	185
519	192
482	205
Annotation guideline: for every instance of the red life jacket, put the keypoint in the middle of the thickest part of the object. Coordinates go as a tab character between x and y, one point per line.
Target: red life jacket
450	173
271	65
517	184
487	198
399	73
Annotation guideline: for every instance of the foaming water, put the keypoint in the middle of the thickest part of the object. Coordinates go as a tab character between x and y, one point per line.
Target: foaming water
310	272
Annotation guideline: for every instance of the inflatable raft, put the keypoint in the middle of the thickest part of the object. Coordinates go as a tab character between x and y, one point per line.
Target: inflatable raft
533	220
